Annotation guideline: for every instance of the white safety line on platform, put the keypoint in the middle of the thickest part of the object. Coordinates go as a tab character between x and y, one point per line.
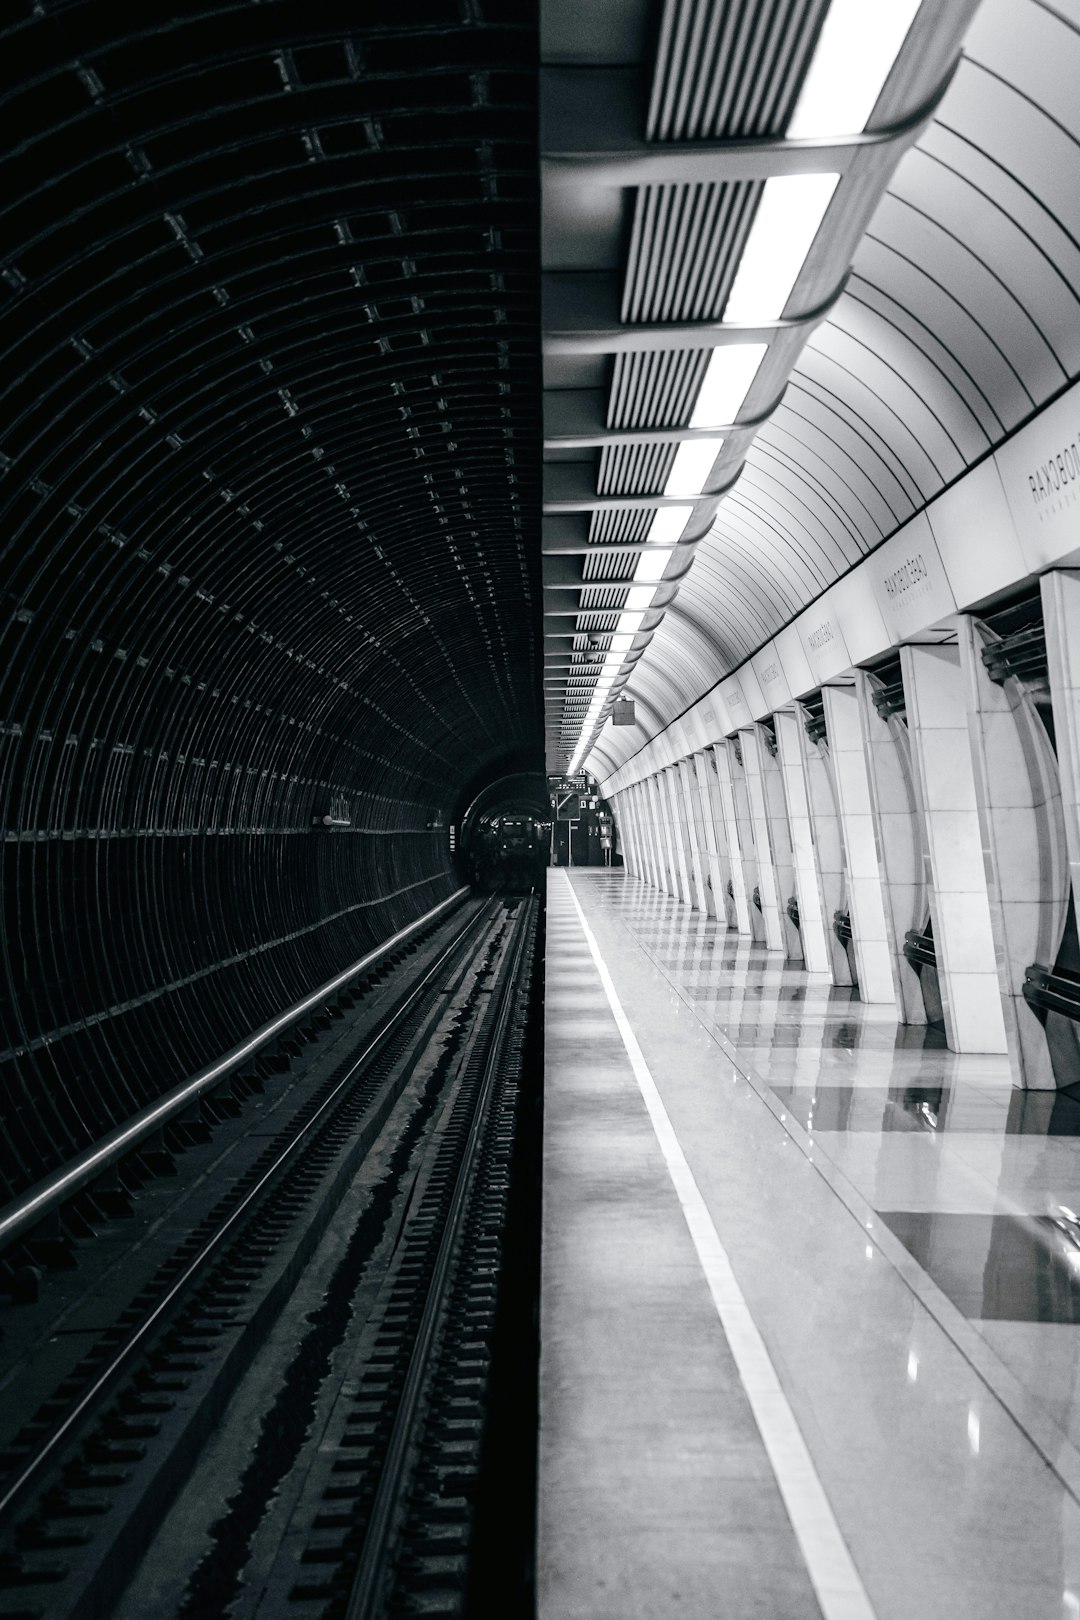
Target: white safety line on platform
833	1575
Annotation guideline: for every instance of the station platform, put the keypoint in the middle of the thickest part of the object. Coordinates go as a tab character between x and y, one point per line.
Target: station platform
810	1324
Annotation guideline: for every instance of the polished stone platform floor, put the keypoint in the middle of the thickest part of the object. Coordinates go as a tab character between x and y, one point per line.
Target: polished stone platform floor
900	1227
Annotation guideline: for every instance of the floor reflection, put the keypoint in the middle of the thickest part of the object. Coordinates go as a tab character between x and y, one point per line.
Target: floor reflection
999	1267
968	1187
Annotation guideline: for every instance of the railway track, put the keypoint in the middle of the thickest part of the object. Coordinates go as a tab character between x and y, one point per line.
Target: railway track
289	1413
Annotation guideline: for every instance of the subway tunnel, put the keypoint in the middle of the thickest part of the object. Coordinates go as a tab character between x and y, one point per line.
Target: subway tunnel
271	459
426	425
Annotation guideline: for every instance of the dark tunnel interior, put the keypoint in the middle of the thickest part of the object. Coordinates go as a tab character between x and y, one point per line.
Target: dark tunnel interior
269	471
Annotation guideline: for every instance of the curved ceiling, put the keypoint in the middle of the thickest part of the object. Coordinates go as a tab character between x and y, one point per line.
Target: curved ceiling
270	457
958	320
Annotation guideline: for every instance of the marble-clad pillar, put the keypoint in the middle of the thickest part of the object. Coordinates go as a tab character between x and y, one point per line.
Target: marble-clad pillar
714	806
899	828
650	859
869	934
820	779
665	858
1060	591
744	823
623	807
804	854
703	770
668	816
752	750
736	869
633	856
641	853
683	838
1024	842
699	892
698	833
779	836
959	905
1061	614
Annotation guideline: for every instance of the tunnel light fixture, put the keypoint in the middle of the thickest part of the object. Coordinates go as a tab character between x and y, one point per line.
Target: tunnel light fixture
639	597
731	370
855	52
630	623
788	218
667	526
621	643
650	565
692	465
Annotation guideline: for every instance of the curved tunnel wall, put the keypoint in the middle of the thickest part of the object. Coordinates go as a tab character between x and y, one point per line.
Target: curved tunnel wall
270	482
958	322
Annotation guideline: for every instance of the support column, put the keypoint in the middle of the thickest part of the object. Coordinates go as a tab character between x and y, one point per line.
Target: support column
744	822
726	783
869	934
680	841
641	869
752	748
820	778
648	847
663	822
715	817
959	905
779	836
1018	790
1061	617
677	828
698	867
710	848
624	820
1061	614
901	841
803	851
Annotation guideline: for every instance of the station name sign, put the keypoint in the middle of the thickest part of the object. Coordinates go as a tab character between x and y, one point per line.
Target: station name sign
911	572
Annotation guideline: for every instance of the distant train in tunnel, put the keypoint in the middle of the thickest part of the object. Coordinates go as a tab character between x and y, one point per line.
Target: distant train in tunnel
508	854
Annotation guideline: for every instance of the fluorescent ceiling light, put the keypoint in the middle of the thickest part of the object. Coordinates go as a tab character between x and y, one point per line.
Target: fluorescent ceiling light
630	623
650	566
731	370
621	643
668	524
787	220
639	596
859	43
691	467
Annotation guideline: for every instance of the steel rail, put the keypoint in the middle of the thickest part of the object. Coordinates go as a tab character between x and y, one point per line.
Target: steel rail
47	1195
19	1485
365	1595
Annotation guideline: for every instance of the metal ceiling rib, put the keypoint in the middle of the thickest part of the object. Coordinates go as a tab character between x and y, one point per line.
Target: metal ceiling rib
634	469
685	244
725	72
613	526
643	239
655	390
606	562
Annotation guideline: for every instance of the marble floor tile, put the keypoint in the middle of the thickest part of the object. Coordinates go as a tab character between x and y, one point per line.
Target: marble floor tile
900	1222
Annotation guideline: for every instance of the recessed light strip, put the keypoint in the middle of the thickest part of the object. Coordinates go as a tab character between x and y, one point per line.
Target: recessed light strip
787	220
860	40
858	45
